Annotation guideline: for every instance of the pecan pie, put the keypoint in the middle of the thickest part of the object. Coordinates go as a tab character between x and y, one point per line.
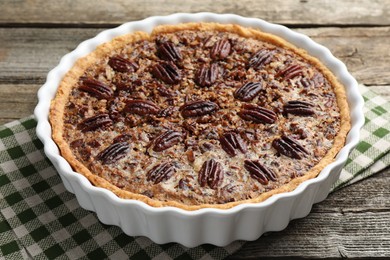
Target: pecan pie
199	115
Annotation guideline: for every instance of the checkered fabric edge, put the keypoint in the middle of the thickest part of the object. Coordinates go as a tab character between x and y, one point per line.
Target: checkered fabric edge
371	155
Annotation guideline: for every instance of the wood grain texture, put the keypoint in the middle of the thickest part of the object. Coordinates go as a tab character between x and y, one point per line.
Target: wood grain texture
105	12
351	223
17	101
363	50
22	58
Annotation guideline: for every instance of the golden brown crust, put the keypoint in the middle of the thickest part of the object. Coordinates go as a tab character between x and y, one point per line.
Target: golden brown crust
72	77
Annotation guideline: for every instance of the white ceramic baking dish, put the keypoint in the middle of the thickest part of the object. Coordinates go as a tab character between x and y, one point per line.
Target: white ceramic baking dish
214	226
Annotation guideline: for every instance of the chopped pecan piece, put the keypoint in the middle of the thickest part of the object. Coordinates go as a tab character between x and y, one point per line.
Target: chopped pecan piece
318	80
206	119
289	147
306	83
141	107
211	174
94	143
96	88
259	172
198	108
220	50
77	143
121	64
122	138
166	140
204	147
167	72
290	72
260	58
190	156
165	92
166	112
168	51
95	122
207	75
231	142
160	172
190	127
248	91
301	108
185	184
257	114
113	153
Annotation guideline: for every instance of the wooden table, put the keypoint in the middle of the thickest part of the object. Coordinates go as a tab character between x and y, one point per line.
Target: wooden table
353	222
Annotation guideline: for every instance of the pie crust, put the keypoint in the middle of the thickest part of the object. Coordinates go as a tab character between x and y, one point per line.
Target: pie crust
212	184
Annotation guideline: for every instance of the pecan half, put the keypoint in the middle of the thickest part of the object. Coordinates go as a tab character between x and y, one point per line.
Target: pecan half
95	122
198	108
141	107
168	51
259	172
166	140
113	153
160	172
167	72
248	91
220	50
301	108
290	72
211	174
121	64
257	114
289	147
96	88
231	142
260	58
207	75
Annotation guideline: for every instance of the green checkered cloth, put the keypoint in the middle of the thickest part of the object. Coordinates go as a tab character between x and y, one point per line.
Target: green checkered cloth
41	220
371	155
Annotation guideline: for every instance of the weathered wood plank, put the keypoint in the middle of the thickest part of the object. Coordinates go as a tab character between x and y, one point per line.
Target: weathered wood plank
17	101
366	196
363	50
360	229
326	236
26	55
104	12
